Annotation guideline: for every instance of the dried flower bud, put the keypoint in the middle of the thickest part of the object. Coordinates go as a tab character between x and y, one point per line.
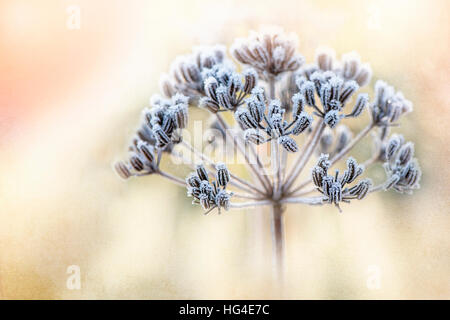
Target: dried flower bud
332	118
202	173
136	163
147	151
317	175
193	180
405	153
223	199
307	90
122	170
361	189
303	122
325	58
254	136
348	89
250	80
222	175
288	143
161	137
364	75
204	201
256	108
323	162
353	171
245	119
298	104
211	86
393	146
209	104
360	104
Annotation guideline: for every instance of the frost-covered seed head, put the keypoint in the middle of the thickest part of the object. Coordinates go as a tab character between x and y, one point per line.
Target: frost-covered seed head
288	143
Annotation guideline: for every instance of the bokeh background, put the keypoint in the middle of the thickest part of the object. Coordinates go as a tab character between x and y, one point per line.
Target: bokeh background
71	98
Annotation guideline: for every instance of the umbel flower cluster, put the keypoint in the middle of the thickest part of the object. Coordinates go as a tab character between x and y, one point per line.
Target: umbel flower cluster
284	112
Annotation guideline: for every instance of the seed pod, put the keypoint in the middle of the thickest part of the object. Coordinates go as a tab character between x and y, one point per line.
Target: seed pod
393	146
298	104
335	193
336	85
180	115
325	59
206	187
147	151
211	86
259	94
222	175
351	63
405	153
222	199
122	170
307	90
364	75
194	192
361	189
204	201
353	170
245	119
166	86
303	122
325	95
254	136
193	180
332	118
250	79
327	181
161	137
317	176
274	108
348	90
209	104
288	143
360	104
234	85
202	173
323	162
256	109
326	140
136	163
392	181
223	98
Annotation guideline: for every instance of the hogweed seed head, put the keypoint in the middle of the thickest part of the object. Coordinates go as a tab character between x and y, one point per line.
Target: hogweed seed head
207	78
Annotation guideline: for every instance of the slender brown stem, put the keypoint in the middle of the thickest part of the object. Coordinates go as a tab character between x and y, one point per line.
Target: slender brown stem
278	241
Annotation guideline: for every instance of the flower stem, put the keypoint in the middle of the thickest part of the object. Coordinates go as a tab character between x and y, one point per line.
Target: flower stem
278	241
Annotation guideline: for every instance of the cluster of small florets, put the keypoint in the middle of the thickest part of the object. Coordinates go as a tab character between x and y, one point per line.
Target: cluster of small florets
271	53
209	195
264	120
333	188
402	169
157	133
388	105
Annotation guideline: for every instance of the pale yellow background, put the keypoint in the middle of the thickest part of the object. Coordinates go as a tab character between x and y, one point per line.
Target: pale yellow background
70	100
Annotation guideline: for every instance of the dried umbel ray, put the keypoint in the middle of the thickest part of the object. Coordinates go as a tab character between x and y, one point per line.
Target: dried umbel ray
275	99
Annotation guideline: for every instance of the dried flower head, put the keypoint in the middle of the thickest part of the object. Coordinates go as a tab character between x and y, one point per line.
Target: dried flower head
271	53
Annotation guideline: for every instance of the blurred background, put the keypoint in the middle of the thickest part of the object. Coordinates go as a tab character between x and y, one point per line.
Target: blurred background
71	92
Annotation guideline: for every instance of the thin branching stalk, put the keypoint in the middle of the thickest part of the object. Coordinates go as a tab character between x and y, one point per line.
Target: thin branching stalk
304	157
352	143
